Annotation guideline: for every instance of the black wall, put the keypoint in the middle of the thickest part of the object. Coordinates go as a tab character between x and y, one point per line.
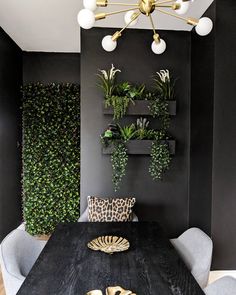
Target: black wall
202	106
167	200
213	134
199	190
51	67
10	134
224	155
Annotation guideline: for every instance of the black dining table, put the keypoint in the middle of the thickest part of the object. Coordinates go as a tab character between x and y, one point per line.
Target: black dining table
151	266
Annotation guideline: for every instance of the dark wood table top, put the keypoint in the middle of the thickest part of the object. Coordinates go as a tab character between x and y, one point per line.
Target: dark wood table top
150	267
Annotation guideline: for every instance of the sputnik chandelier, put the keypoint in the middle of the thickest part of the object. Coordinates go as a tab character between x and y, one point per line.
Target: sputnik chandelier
87	17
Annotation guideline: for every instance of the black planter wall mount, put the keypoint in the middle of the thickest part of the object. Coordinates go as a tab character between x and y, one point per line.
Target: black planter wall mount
141	147
141	108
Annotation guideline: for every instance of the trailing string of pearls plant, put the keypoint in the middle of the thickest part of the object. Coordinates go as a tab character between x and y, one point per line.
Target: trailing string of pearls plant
133	11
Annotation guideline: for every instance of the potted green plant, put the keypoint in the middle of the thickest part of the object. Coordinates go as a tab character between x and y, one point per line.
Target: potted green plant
119	141
122	99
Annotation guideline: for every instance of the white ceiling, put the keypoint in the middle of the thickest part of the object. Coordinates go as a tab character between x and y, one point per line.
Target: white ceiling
51	26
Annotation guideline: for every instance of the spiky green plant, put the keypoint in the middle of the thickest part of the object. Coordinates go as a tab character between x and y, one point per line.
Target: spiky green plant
127	132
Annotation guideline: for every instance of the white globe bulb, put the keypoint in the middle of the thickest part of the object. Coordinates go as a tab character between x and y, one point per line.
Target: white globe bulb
86	19
204	26
159	48
108	44
184	6
128	18
90	4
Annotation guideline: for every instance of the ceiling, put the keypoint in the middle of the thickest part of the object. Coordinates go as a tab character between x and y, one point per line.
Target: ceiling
51	26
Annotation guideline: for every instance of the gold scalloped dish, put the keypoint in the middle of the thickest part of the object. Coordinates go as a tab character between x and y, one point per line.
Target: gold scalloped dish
109	244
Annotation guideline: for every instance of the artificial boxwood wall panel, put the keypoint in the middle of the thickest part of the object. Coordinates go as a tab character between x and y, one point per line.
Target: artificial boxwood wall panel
51	155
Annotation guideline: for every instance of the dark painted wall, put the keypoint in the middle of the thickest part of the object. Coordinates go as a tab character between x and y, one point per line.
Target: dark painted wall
202	102
10	134
51	67
166	201
224	155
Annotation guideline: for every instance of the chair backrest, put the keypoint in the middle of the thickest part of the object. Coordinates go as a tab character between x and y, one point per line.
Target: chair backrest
223	286
195	248
19	252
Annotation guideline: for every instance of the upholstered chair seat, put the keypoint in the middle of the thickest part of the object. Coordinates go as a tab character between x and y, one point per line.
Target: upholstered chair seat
195	248
223	286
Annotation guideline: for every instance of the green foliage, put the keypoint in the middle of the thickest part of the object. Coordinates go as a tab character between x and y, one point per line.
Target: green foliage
140	131
159	109
119	160
117	136
122	89
151	134
51	155
119	104
120	95
160	160
132	91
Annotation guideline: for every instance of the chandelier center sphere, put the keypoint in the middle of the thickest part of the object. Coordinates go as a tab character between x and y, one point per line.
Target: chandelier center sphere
147	6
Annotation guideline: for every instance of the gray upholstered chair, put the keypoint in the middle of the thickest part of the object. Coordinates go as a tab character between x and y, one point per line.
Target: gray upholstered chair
18	253
195	248
223	286
84	217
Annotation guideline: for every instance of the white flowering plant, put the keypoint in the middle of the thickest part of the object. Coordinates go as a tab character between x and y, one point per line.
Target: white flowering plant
108	78
164	85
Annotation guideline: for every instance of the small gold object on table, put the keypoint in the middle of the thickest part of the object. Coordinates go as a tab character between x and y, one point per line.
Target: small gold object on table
95	292
109	244
112	291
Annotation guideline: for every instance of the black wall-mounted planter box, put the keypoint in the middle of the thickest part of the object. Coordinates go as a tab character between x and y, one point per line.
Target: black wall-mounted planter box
141	108
141	147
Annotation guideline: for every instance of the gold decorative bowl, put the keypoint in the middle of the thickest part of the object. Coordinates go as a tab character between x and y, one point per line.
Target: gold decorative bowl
109	244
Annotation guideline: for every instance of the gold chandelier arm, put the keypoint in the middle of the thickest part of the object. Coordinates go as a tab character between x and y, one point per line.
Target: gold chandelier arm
174	6
168	1
120	11
122	4
164	5
133	19
153	27
105	3
119	33
103	15
172	14
189	20
164	2
156	36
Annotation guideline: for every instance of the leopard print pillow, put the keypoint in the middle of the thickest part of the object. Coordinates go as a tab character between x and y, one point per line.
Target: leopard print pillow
110	210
